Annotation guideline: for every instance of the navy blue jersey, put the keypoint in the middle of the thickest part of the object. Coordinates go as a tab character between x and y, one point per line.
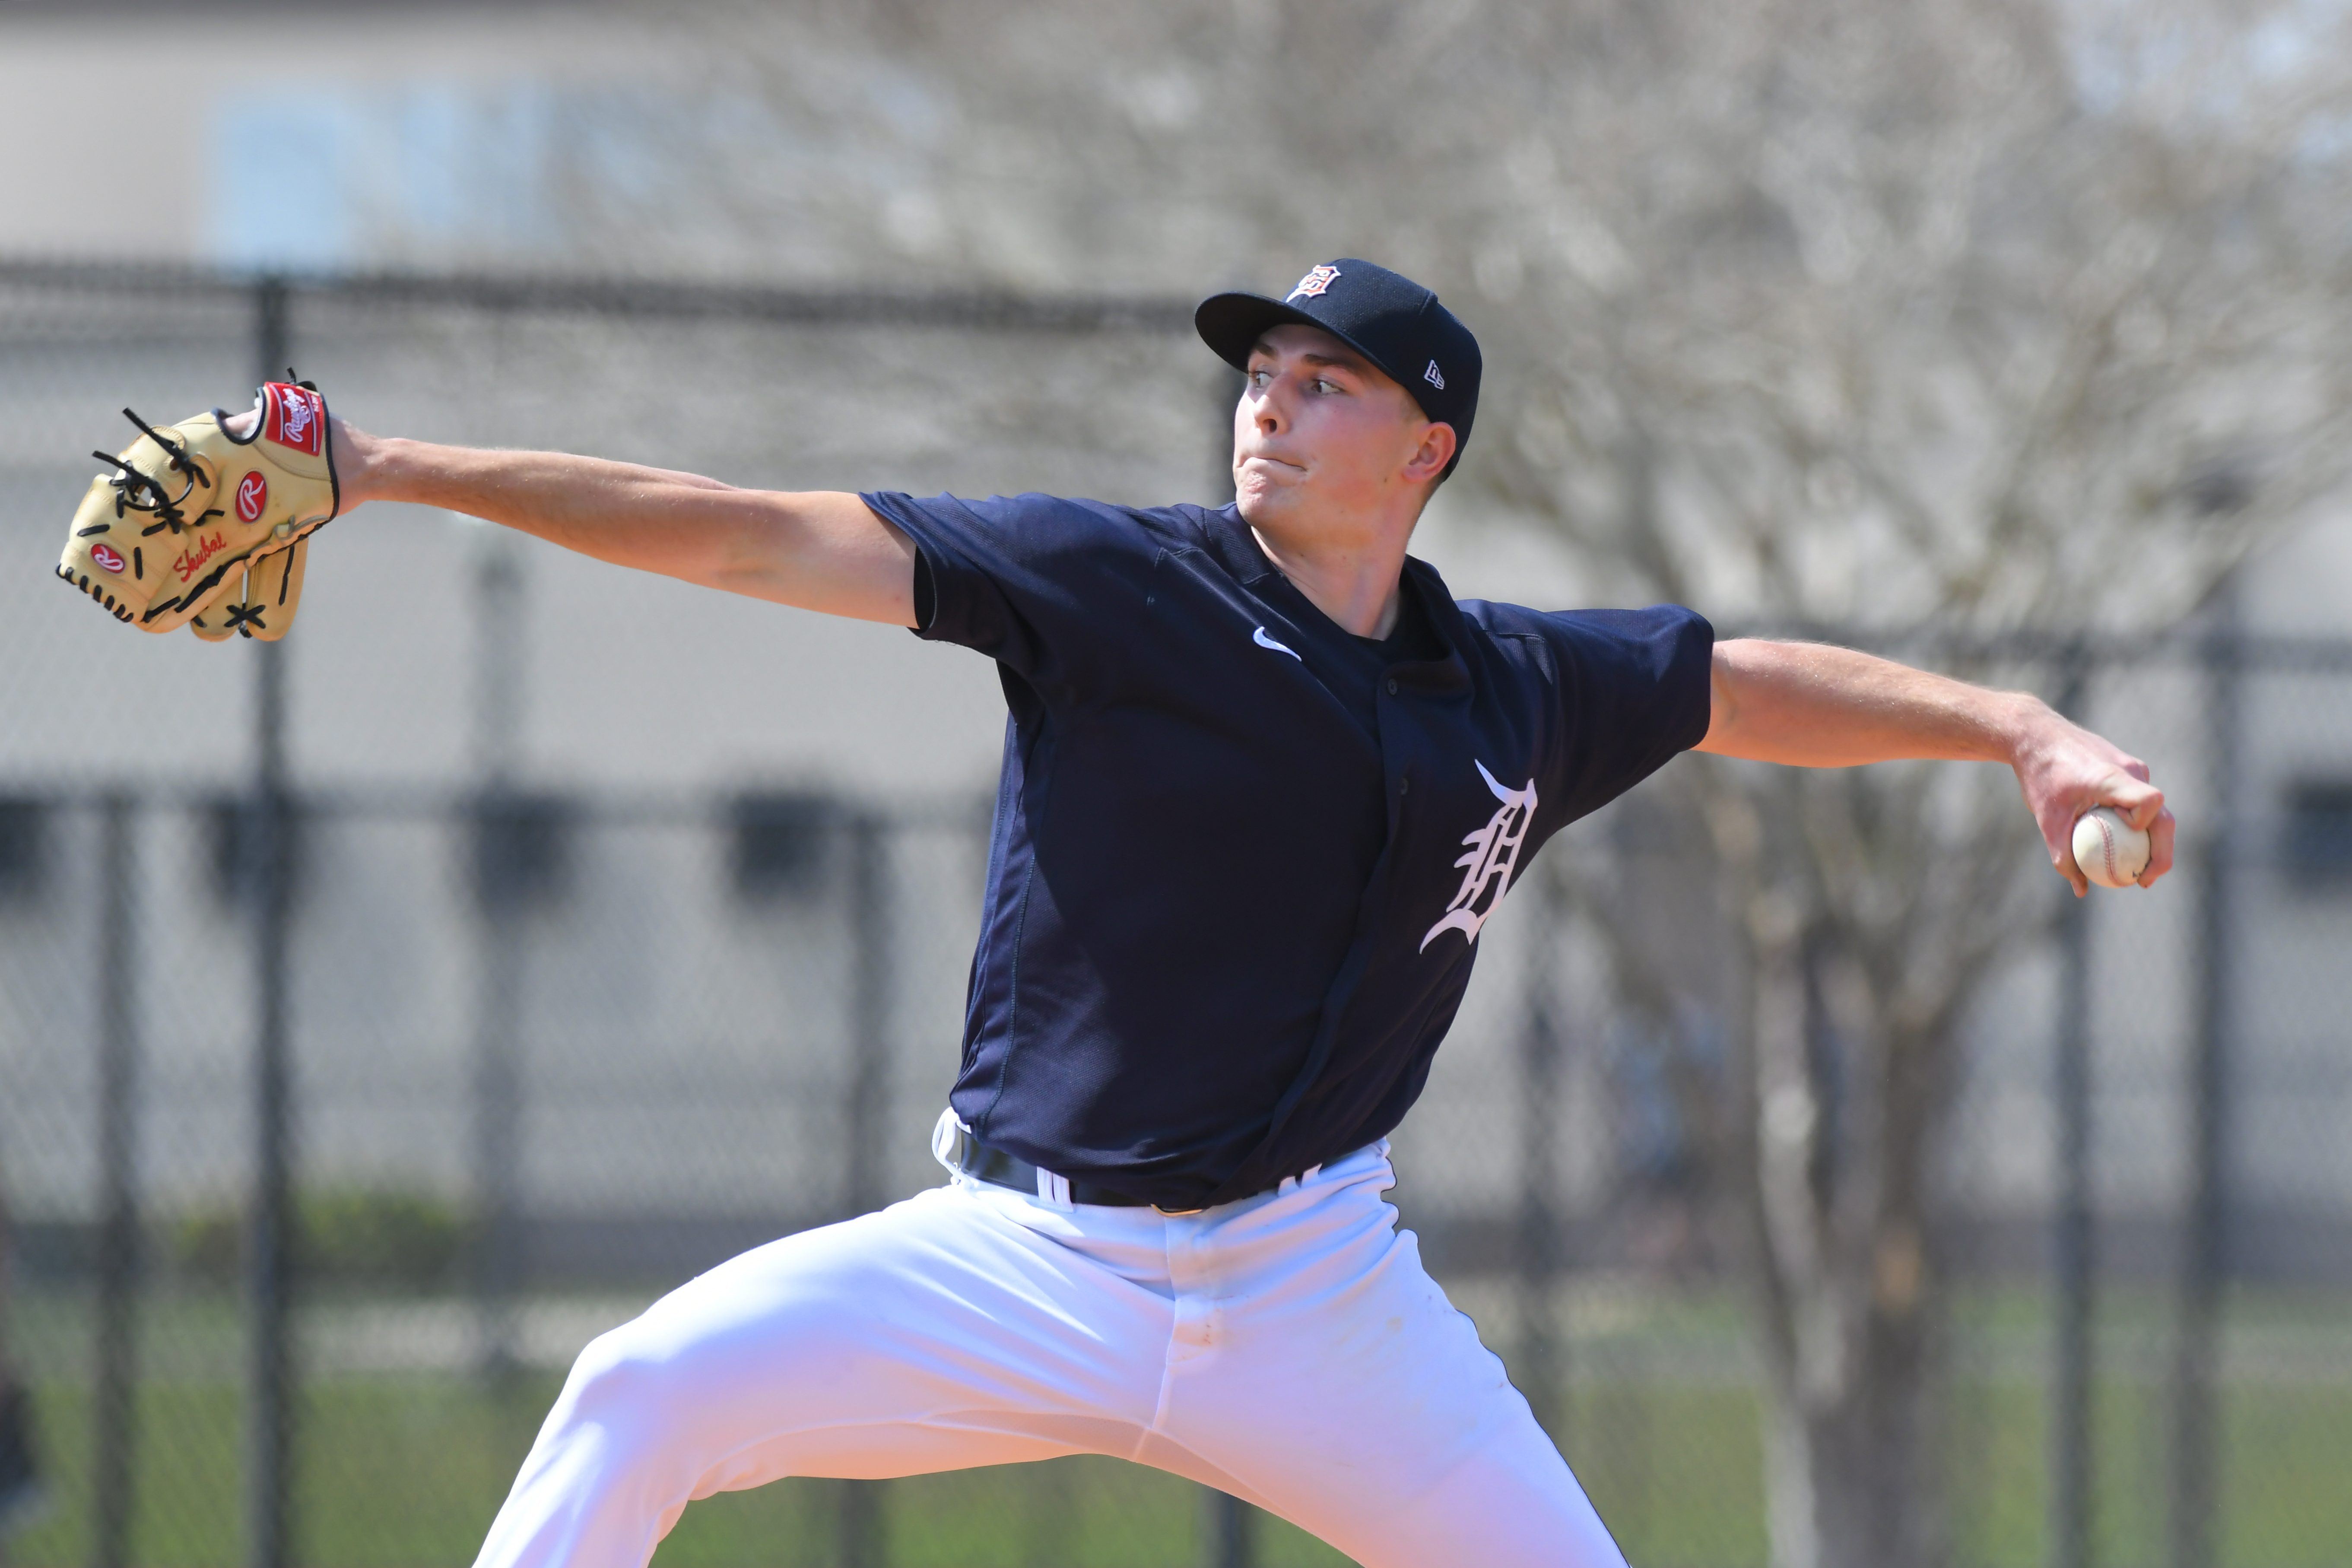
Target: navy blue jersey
1241	856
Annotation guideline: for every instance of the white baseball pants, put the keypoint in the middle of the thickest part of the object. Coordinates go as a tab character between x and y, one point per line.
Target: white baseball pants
1288	1349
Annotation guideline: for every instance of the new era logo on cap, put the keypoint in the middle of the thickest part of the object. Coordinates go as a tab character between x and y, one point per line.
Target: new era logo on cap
1390	320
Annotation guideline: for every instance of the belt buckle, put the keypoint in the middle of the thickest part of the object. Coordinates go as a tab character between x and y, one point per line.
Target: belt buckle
1178	1213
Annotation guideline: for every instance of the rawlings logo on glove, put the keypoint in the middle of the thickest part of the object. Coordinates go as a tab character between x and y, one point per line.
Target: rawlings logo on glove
234	516
252	495
296	417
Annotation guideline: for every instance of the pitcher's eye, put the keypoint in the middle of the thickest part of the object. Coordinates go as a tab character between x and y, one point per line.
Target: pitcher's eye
1260	377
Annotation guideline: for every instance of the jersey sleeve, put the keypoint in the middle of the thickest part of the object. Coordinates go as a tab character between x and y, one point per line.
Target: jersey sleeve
1036	583
1635	688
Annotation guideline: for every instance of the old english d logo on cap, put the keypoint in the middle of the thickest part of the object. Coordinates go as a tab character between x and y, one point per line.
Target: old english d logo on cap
1388	319
1317	279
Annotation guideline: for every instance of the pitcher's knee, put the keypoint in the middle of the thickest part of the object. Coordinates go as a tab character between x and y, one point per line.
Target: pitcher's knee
627	1385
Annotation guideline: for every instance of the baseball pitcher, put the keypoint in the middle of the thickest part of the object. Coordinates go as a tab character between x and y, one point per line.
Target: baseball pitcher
1265	780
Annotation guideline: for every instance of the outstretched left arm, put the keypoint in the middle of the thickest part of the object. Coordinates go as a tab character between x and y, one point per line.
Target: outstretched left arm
1813	706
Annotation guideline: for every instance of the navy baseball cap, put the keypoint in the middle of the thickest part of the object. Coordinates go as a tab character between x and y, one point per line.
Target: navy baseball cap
1384	316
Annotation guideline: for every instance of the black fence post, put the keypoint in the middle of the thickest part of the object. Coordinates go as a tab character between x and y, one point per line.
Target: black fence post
1228	395
865	1103
2071	1235
1232	1538
497	1087
1231	1544
1542	1369
502	884
866	1091
2204	1261
115	1383
270	1221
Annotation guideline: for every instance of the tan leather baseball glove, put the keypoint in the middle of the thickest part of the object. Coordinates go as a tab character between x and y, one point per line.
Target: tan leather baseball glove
197	527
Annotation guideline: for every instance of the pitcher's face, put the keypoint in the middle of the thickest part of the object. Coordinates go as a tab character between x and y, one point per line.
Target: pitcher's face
1320	432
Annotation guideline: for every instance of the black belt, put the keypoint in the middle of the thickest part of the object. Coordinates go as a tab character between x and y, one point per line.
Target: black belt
974	1158
1012	1171
960	1150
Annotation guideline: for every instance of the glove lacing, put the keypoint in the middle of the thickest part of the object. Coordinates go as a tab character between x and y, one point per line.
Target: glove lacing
137	491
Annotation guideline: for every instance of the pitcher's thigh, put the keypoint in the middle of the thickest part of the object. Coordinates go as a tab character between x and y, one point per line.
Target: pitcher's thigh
930	1336
1368	1413
890	1344
1514	1503
932	1305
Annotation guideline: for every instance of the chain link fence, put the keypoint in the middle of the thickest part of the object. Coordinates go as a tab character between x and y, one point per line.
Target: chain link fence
387	1012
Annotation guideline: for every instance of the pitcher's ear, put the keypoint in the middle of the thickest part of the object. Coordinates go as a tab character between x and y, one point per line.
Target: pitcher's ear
1435	453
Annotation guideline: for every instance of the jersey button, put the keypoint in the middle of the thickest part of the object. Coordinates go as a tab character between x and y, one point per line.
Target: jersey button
1404	786
1392	687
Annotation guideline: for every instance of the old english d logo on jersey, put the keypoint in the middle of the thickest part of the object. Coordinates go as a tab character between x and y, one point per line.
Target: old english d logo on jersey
1487	869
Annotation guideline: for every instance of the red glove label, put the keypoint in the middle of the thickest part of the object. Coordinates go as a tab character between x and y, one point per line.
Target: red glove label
297	418
110	559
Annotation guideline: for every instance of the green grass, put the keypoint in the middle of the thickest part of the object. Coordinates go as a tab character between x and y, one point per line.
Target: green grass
405	1471
2288	1498
399	1473
1677	1473
1101	1513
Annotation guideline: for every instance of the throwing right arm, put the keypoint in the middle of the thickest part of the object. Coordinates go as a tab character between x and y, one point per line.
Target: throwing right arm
821	550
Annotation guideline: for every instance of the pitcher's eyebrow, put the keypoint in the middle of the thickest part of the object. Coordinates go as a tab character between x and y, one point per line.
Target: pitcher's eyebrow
1337	362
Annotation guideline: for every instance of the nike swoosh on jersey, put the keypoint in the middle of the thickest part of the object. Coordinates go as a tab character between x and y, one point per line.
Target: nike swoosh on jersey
1259	638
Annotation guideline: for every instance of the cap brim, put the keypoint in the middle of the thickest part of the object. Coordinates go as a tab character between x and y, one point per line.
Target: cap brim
1231	324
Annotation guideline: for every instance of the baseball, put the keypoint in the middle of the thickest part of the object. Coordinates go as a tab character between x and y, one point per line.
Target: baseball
2111	851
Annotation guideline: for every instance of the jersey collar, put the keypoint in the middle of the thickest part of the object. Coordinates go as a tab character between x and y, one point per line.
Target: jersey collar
1238	548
